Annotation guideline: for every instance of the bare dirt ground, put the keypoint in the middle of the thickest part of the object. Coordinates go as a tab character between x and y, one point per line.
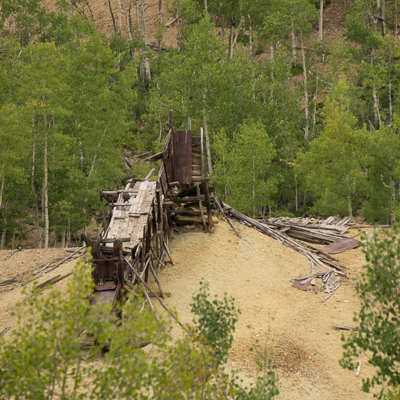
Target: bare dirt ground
256	270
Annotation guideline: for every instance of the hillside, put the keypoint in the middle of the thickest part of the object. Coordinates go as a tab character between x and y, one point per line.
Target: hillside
256	270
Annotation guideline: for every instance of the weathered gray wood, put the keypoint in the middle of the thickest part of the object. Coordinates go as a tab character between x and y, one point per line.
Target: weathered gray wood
343	326
155	295
224	215
169	254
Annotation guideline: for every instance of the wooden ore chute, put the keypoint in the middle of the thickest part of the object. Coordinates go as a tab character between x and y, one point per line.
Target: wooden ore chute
139	220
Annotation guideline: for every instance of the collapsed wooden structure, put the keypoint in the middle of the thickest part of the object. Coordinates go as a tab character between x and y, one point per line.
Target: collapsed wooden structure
323	265
140	218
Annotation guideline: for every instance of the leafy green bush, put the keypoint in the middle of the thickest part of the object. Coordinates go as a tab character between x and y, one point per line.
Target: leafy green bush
378	331
45	356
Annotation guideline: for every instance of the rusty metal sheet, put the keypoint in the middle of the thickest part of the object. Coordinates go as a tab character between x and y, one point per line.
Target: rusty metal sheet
340	246
305	287
182	157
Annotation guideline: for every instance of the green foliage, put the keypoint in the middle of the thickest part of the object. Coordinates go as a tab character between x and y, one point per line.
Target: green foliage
334	163
215	323
44	358
377	333
243	167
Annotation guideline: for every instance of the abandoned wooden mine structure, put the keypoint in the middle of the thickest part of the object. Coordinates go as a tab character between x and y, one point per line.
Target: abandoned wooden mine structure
139	220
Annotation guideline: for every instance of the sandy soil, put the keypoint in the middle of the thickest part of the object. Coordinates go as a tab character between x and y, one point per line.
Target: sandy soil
21	266
256	270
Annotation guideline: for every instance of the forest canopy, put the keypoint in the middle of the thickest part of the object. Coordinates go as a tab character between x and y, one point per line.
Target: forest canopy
295	123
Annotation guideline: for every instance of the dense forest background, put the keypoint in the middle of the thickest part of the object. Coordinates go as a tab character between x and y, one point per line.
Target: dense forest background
295	122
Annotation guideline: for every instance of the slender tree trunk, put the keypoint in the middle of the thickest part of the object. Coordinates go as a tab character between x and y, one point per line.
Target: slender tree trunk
305	91
383	13
321	19
296	202
3	238
95	156
390	90
13	240
160	24
210	169
112	16
235	38
128	26
137	18
396	29
250	35
69	232
45	192
178	28
205	6
231	37
393	201
33	165
349	206
254	188
63	239
272	74
146	65
3	178
119	18
376	106
293	36
314	117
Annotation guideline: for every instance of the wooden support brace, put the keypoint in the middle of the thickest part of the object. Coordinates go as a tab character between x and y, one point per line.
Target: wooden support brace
169	254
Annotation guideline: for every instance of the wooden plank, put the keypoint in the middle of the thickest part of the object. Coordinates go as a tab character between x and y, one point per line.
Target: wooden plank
182	157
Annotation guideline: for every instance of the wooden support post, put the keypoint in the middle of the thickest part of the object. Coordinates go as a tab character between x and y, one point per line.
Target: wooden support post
155	277
201	207
104	211
155	295
169	254
208	205
225	216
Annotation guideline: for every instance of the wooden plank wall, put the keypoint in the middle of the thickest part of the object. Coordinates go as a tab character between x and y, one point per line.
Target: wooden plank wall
182	157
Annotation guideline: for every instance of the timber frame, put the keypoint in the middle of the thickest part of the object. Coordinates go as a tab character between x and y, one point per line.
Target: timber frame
140	219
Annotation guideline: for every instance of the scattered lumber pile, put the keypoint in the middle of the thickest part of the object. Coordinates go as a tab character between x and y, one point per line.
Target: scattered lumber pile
323	265
309	229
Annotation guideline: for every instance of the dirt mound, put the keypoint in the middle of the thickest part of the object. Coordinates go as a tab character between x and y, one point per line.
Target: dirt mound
256	270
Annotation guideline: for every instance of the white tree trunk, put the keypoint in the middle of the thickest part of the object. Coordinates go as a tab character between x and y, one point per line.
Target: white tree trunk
293	36
376	107
45	192
393	202
3	178
306	111
349	206
209	163
3	238
128	25
145	61
321	19
250	35
119	18
272	74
